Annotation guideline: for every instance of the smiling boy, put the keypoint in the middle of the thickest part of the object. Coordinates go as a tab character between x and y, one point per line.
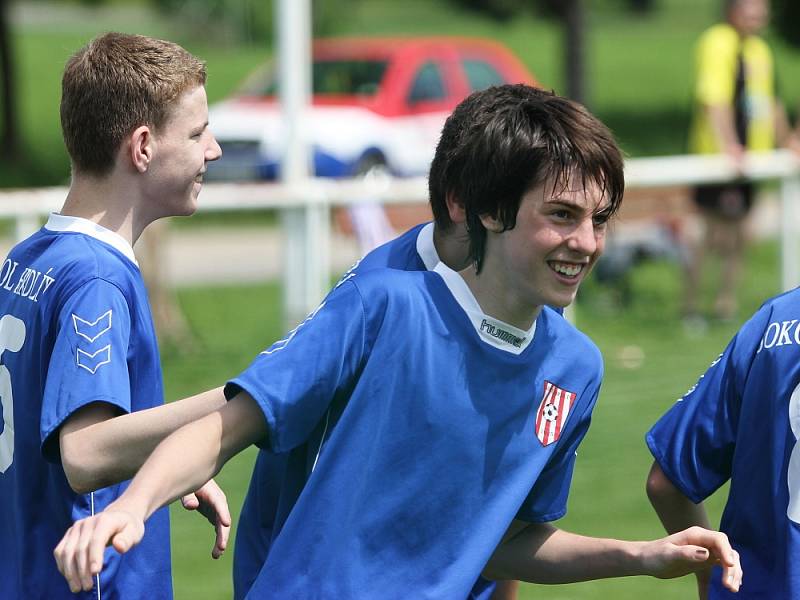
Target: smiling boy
449	404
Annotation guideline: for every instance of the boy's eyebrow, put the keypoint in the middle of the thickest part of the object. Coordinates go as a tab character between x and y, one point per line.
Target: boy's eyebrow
570	203
200	128
560	200
566	202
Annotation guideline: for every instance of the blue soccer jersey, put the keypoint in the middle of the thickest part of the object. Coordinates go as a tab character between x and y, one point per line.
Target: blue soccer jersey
440	425
75	328
274	488
741	422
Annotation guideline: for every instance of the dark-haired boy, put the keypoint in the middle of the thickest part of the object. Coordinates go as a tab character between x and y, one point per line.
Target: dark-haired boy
448	404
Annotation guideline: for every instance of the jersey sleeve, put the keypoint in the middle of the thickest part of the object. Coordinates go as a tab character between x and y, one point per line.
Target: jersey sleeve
89	359
547	500
295	379
695	439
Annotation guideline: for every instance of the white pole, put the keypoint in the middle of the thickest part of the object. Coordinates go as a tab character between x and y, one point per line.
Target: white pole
25	225
790	236
306	225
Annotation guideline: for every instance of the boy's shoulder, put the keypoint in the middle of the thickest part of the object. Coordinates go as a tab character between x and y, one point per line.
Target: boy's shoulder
67	260
403	252
567	340
777	321
391	282
787	302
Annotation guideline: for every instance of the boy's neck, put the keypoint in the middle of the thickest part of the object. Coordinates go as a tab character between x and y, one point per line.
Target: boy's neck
103	200
450	246
498	300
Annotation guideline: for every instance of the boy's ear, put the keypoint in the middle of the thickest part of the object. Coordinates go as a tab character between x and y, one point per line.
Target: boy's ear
491	223
455	208
141	147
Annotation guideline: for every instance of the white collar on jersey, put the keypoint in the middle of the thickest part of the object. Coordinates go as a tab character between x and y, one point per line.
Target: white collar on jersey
492	331
58	222
426	249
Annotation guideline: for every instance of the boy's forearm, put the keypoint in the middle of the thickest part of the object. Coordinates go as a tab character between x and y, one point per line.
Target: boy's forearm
97	451
541	553
180	464
722	124
188	458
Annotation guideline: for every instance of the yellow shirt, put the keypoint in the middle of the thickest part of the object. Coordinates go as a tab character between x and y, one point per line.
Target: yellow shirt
716	55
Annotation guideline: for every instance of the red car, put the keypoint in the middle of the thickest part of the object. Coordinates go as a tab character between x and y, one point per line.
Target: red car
376	101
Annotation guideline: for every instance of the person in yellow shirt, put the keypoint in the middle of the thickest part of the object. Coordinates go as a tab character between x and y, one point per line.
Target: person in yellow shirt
736	111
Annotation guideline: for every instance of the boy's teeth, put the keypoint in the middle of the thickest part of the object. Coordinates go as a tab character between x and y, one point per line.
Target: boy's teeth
565	269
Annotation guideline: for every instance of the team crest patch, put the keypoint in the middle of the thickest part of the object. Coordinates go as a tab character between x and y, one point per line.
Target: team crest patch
553	412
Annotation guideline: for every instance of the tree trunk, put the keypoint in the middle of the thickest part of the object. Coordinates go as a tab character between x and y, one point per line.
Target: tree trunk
642	6
9	137
575	54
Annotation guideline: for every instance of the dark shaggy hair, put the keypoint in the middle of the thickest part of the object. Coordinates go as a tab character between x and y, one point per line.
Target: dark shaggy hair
502	142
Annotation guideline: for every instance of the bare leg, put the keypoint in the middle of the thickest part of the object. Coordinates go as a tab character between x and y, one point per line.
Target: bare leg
731	249
168	317
697	245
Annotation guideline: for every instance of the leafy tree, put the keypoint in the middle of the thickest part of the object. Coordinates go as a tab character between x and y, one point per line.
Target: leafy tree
250	21
497	9
571	13
786	20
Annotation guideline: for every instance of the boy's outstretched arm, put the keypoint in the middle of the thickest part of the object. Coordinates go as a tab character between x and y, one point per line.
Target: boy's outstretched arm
541	553
181	463
677	512
99	447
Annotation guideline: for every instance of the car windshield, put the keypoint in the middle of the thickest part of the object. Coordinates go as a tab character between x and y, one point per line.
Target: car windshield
330	77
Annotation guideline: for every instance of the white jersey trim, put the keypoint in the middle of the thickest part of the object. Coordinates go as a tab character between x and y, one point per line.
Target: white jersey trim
492	331
58	223
426	249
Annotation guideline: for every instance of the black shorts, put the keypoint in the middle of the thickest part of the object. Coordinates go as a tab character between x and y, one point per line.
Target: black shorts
730	201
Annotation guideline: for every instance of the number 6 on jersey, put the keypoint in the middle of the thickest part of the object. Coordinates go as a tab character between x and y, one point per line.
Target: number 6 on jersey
12	336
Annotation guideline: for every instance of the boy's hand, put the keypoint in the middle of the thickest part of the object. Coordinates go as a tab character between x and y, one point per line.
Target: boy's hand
79	554
210	501
692	550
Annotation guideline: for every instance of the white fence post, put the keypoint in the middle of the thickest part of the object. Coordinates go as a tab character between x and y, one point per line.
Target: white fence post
306	230
306	224
25	225
790	237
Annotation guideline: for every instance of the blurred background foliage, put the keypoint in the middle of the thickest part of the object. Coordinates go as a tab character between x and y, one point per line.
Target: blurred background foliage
635	74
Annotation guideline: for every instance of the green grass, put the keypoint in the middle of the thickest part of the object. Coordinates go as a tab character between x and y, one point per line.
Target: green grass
232	324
